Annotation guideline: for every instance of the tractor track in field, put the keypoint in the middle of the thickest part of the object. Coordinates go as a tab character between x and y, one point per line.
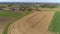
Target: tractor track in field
39	21
34	23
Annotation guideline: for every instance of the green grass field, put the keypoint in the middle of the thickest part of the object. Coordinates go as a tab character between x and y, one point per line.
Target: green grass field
9	14
15	15
55	24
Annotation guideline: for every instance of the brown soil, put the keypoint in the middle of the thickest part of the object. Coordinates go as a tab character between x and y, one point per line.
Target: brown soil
3	22
49	9
35	23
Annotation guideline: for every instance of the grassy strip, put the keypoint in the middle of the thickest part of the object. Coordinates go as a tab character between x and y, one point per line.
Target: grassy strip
55	25
5	31
9	14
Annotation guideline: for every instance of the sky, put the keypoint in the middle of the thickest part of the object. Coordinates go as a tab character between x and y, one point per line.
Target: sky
51	1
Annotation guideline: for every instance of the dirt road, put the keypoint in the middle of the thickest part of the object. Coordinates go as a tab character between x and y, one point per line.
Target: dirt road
35	23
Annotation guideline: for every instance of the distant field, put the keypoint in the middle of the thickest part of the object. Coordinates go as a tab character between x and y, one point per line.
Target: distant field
9	14
55	24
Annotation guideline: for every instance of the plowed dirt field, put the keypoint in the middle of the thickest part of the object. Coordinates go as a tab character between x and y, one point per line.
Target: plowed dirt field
34	23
